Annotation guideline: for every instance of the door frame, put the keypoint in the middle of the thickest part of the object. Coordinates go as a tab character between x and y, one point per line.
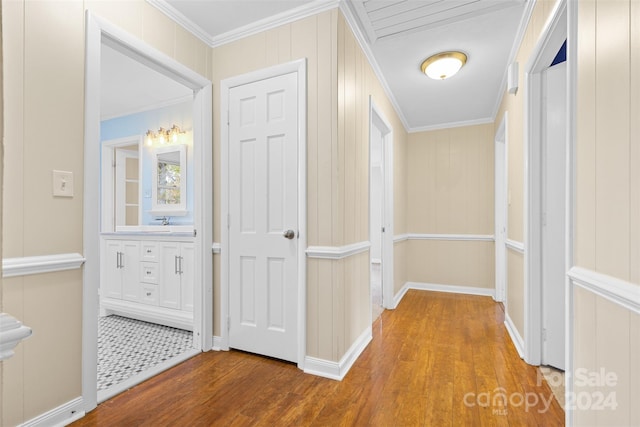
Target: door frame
378	119
551	38
299	67
99	32
502	206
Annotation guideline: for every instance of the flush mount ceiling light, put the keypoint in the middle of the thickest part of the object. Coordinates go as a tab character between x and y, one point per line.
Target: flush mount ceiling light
443	65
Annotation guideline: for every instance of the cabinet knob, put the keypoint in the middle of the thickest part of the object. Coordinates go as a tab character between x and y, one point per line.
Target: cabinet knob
148	294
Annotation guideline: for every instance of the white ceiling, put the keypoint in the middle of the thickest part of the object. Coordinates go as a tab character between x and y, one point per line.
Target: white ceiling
398	35
128	87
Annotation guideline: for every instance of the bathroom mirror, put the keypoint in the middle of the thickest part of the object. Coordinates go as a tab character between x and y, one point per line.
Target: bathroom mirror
169	181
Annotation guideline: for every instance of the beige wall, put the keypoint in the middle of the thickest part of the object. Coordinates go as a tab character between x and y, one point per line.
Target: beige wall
44	109
608	199
514	104
450	191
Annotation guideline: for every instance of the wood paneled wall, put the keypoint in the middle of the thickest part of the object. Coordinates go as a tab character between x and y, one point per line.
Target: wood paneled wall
607	237
450	191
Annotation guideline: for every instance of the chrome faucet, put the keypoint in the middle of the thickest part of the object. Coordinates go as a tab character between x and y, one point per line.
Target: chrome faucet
165	220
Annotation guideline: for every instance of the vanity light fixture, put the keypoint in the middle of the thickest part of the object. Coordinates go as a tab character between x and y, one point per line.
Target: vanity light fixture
163	136
443	65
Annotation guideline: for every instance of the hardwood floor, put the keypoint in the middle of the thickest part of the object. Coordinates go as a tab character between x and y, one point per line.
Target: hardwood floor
437	360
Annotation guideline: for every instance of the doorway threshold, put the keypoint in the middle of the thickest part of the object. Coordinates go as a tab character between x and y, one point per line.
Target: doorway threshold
108	393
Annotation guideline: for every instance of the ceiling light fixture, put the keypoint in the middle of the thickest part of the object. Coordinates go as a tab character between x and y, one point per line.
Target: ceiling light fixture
443	65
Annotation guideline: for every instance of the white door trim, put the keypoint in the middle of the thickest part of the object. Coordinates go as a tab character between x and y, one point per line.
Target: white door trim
299	67
376	114
501	181
99	31
551	38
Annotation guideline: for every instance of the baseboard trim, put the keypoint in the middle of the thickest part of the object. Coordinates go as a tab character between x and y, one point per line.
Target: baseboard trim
25	266
61	416
454	289
616	290
148	313
338	370
217	344
401	293
517	340
453	237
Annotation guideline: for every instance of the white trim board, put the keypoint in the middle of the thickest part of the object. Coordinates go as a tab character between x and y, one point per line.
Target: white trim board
400	238
517	340
63	415
337	252
12	267
12	332
616	290
453	237
514	245
303	11
338	370
453	289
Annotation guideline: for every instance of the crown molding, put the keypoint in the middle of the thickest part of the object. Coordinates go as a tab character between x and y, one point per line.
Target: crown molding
515	47
181	20
295	14
451	125
346	7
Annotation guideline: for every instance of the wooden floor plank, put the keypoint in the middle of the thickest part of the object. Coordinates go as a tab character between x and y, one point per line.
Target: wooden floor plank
437	360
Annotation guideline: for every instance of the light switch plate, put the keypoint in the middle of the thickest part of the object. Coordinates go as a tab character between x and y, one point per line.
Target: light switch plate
62	183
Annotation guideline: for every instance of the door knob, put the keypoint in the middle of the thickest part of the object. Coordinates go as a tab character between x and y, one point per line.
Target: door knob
289	234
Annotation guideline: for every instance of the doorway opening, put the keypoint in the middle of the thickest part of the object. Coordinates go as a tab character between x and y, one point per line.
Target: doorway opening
119	243
380	211
546	184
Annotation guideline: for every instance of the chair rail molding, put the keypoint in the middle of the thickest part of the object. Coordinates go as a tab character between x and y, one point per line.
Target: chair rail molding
337	252
514	245
12	267
460	237
616	290
12	331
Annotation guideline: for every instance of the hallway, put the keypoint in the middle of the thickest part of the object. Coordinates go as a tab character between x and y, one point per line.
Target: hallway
438	359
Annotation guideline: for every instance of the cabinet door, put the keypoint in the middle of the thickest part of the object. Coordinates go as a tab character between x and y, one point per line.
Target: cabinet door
130	268
187	277
111	277
169	289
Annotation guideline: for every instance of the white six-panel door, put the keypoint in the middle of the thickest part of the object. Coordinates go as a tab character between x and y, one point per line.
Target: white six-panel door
263	177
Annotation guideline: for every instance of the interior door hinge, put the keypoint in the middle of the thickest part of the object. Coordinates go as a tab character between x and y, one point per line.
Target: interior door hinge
383	229
227	117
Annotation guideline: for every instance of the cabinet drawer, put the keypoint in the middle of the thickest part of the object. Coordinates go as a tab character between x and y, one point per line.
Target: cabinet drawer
149	272
149	251
148	294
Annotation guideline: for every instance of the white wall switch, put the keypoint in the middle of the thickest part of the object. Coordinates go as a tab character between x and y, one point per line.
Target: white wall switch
62	183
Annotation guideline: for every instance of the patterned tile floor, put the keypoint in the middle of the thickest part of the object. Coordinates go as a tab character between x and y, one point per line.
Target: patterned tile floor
127	347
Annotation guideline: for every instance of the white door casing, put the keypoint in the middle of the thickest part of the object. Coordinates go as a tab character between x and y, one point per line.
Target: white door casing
551	39
263	223
99	32
501	210
554	117
376	217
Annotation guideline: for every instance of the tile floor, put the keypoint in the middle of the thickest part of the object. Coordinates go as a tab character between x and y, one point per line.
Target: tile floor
127	347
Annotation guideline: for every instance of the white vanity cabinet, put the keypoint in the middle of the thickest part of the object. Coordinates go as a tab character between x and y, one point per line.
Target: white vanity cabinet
120	269
149	279
177	275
